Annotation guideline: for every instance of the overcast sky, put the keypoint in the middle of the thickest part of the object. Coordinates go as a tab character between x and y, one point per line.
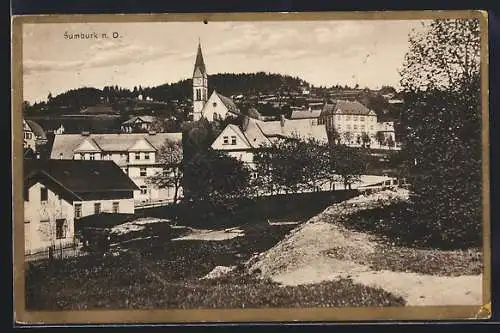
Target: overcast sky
368	53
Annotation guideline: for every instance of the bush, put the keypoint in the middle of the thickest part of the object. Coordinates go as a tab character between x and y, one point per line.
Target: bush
402	225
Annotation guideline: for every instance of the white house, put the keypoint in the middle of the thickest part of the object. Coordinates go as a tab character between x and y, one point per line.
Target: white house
58	192
34	135
135	153
242	141
137	124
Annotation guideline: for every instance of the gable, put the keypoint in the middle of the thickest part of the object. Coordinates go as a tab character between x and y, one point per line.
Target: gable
231	131
88	146
26	127
141	145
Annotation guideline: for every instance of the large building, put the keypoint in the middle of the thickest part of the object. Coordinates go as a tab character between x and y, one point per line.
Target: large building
351	120
58	192
135	153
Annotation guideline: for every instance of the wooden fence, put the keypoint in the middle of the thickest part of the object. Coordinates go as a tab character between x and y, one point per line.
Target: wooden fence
56	253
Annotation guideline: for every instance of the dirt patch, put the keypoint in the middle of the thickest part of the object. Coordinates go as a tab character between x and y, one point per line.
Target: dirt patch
325	251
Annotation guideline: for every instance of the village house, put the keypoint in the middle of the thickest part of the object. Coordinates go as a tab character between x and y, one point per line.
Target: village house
34	135
58	192
242	141
135	153
138	124
311	115
351	120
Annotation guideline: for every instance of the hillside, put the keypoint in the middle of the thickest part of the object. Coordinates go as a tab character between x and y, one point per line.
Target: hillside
270	93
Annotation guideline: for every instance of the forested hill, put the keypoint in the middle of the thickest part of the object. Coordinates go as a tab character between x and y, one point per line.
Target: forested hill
230	84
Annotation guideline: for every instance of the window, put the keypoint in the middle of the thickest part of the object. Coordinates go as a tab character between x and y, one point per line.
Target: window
348	118
44	194
61	228
362	127
355	118
45	221
142	172
92	156
146	156
233	140
355	127
362	118
198	94
144	189
116	207
226	140
137	156
371	127
78	210
28	135
214	104
97	208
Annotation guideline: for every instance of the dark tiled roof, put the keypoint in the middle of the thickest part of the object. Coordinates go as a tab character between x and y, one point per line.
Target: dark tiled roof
37	130
199	64
228	102
345	107
82	176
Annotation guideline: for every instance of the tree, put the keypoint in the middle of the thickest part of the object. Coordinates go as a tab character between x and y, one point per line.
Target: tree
347	137
215	177
334	136
349	164
291	164
365	138
380	137
441	130
170	157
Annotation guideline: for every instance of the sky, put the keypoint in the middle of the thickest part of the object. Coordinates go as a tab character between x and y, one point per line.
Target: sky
368	53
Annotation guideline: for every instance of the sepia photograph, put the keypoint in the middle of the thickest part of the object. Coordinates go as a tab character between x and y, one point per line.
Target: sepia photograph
335	167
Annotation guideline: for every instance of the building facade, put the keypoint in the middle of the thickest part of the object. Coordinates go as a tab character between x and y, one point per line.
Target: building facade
59	192
352	123
135	153
137	124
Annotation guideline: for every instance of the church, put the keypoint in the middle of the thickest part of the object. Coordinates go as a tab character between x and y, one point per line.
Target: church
215	107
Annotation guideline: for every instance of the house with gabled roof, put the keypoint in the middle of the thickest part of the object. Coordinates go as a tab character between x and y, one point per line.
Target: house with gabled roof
137	124
241	142
135	153
58	192
219	107
34	135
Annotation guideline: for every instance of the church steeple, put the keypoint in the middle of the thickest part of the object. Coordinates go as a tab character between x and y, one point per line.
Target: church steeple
200	84
199	65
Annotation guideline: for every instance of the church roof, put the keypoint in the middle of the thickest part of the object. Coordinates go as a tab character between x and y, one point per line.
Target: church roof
199	65
229	103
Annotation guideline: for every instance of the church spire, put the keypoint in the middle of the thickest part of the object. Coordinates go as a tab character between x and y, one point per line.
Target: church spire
199	63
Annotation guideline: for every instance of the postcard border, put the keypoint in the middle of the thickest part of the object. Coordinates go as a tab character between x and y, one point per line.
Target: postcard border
236	315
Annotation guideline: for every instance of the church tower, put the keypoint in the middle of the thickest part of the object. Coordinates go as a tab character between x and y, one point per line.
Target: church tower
200	85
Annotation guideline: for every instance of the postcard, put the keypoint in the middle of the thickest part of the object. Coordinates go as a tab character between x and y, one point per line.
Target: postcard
251	167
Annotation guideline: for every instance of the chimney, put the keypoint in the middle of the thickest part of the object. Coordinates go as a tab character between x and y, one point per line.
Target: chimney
152	132
282	120
85	133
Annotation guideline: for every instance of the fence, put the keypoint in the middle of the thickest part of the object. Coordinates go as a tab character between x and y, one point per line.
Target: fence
56	253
